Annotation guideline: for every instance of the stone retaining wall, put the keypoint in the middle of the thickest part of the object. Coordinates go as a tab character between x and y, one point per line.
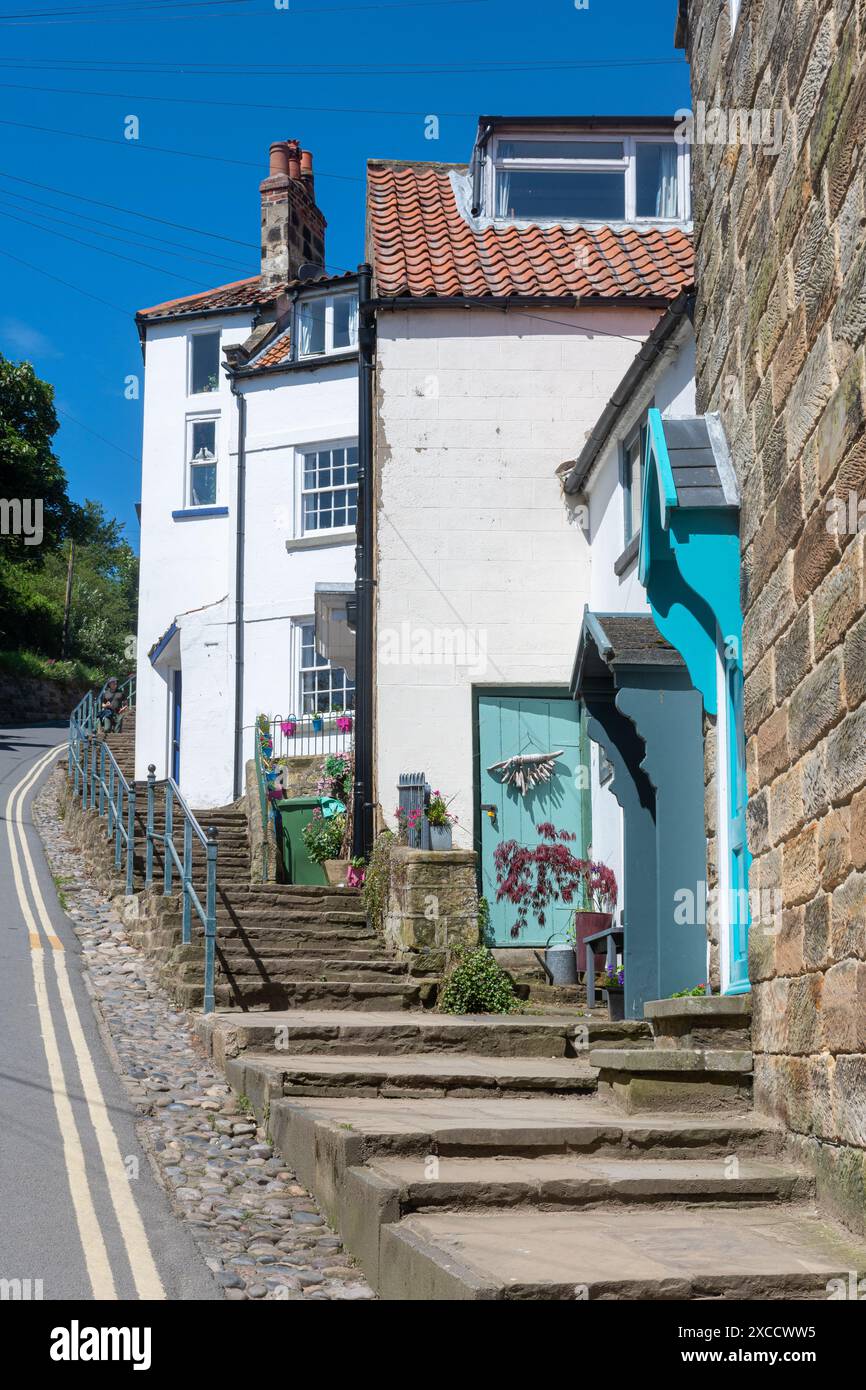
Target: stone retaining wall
780	234
432	906
31	700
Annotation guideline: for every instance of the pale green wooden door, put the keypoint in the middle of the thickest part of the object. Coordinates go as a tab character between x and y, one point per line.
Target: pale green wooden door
509	725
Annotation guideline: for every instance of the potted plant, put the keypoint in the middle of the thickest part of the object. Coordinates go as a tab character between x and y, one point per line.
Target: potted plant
289	726
532	877
356	873
344	723
440	821
318	723
323	837
599	895
612	983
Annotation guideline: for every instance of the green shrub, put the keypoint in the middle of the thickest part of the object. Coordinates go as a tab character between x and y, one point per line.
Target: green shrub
323	836
26	663
477	985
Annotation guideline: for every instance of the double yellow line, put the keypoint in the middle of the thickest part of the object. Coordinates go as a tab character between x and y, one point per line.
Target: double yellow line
41	932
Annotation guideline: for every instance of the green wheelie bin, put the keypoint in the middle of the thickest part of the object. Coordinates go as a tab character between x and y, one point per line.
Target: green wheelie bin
295	813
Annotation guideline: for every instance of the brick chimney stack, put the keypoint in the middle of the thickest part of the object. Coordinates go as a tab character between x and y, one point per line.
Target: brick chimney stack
293	228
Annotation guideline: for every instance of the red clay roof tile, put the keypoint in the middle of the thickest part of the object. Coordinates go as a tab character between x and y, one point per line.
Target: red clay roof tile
239	294
421	245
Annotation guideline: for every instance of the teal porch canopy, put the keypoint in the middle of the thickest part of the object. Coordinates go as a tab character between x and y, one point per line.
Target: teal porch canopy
689	564
689	559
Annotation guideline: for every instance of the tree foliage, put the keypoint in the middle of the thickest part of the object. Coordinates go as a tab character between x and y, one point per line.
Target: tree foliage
33	577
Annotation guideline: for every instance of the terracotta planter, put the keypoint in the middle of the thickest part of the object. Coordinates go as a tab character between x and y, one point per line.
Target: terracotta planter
587	924
336	870
615	1000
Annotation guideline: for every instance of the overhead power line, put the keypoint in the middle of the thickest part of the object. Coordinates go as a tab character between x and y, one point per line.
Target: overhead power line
241	69
102	250
132	235
131	212
161	149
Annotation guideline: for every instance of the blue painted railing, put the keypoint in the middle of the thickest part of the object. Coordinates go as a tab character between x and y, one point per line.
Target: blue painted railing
173	799
99	784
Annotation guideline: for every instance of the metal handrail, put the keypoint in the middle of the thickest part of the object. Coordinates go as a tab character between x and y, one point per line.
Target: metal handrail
172	860
101	786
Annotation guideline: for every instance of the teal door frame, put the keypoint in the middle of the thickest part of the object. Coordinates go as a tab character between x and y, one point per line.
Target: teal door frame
522	692
738	853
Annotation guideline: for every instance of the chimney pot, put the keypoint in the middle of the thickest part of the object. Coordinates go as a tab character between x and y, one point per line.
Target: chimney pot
306	161
279	159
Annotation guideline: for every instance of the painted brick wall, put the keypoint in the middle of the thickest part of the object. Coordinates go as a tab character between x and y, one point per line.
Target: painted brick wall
781	320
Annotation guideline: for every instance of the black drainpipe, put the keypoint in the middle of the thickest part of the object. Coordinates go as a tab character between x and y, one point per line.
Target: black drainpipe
239	593
362	827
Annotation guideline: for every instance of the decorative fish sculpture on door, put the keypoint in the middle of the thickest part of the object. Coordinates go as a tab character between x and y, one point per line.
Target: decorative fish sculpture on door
526	770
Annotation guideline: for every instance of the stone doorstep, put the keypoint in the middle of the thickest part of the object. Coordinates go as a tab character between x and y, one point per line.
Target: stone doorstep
691	1253
387	1190
654	1061
384	1033
265	1077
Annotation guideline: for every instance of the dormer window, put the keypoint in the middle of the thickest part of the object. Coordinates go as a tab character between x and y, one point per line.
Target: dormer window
589	178
327	324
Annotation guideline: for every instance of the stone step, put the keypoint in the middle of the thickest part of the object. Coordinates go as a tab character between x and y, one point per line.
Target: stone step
277	1074
277	917
753	1253
711	1021
674	1078
488	1035
387	1190
325	994
238	963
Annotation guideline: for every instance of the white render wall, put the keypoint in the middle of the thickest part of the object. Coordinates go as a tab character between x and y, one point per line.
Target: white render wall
476	411
671	388
188	566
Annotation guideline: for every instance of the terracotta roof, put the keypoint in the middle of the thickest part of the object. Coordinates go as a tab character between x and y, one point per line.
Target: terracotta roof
279	351
421	244
239	294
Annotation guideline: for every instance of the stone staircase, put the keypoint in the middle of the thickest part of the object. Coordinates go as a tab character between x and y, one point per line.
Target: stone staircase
278	946
471	1158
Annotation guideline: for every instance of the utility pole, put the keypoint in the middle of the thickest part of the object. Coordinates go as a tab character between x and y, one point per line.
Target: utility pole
67	605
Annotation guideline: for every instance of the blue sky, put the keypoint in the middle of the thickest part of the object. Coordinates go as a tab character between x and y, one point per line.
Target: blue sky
223	78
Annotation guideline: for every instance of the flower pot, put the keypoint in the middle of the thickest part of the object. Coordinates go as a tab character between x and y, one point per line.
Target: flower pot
318	724
288	727
587	924
344	723
335	871
615	1001
440	837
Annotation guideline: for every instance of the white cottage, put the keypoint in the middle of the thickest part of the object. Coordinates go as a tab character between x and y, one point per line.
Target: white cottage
249	497
510	296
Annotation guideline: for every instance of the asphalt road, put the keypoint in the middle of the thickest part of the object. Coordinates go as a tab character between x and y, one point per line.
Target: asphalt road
80	1209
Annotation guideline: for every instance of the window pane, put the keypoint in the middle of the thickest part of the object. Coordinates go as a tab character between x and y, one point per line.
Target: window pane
534	193
205	362
202	484
559	149
345	321
204	439
311	327
656	194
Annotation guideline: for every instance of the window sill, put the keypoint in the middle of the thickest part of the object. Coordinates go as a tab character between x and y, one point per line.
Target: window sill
190	513
324	538
628	556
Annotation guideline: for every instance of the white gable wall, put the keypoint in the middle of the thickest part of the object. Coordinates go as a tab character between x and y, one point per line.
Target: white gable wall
476	410
188	567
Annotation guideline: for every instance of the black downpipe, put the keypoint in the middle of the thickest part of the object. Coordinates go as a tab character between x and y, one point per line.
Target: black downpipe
239	593
362	827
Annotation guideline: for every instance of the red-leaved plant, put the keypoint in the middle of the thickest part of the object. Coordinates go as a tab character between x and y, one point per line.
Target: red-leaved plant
533	878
